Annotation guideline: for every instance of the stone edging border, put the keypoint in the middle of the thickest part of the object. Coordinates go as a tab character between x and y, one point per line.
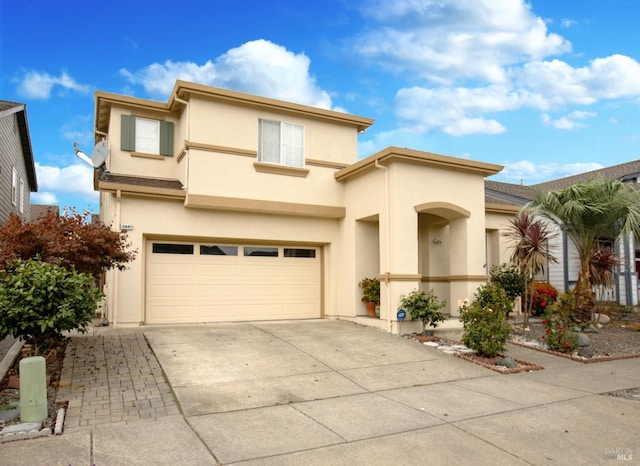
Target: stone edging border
46	432
576	358
527	366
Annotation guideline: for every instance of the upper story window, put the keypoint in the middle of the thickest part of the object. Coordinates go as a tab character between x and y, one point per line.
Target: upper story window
21	196
14	187
146	135
281	143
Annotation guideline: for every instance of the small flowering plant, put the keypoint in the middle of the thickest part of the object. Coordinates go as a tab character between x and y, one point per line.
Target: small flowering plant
486	329
557	335
544	295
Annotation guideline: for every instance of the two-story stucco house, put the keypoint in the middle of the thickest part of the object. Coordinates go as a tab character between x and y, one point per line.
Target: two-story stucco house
248	208
17	167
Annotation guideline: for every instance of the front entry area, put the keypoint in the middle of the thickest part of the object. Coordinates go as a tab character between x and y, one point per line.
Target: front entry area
192	282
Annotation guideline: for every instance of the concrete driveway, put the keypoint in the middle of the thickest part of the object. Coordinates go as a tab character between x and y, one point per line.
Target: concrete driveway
332	392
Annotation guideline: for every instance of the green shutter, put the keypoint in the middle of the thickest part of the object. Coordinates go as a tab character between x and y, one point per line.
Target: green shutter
166	138
128	133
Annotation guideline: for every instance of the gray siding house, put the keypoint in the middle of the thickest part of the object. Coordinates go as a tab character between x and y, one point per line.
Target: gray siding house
17	167
564	274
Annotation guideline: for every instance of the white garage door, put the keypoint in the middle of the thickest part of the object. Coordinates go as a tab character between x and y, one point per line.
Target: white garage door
215	282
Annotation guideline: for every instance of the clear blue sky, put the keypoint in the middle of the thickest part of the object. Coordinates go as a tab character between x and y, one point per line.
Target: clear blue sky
547	88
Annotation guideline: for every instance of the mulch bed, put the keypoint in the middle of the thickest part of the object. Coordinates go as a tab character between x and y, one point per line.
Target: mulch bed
489	363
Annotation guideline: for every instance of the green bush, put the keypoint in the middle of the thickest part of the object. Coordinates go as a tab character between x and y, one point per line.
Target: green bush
485	327
544	295
510	278
40	300
425	307
370	290
556	321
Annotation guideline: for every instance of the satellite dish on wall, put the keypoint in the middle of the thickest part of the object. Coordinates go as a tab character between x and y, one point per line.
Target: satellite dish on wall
99	154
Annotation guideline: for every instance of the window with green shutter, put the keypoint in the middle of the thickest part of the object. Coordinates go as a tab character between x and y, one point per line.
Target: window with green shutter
146	135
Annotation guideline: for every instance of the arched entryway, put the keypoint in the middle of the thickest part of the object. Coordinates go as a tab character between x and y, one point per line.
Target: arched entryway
444	246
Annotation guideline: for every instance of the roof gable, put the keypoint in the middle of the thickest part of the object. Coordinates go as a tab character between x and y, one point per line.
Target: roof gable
8	108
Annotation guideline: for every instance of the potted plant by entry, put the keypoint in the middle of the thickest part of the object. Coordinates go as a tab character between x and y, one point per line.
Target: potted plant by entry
370	294
425	307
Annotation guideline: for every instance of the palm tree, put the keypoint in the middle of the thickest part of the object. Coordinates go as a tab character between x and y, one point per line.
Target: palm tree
530	241
601	269
590	211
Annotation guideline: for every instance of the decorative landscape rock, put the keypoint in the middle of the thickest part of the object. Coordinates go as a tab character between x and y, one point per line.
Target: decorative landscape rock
585	352
602	318
507	362
591	329
583	340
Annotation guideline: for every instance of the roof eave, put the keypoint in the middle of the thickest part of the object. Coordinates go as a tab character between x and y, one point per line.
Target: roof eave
27	151
391	154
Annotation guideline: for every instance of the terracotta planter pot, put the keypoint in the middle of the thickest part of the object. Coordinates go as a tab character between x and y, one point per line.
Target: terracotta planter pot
371	309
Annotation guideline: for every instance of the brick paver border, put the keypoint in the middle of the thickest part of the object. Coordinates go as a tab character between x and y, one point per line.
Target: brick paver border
113	378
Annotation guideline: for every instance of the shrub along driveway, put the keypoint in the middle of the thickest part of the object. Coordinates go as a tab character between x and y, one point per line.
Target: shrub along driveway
332	392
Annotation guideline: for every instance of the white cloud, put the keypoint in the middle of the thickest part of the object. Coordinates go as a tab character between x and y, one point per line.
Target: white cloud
79	129
558	83
568	122
447	40
257	67
455	111
474	60
131	42
39	85
531	173
44	198
400	137
74	179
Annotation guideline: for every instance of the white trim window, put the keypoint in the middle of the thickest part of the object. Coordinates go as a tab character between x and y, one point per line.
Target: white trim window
21	196
147	136
281	143
14	187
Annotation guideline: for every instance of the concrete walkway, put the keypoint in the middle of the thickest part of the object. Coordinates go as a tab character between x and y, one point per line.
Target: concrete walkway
327	392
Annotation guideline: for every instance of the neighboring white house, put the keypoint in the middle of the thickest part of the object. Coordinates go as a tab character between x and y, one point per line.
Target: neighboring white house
563	274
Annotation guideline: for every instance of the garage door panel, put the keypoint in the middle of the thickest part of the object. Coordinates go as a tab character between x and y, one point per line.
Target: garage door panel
300	311
260	311
300	291
174	291
299	270
219	271
220	291
252	269
224	312
260	291
189	288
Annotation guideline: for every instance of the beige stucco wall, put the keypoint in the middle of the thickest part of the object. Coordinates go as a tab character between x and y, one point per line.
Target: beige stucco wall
218	174
170	219
497	225
387	196
234	126
124	163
